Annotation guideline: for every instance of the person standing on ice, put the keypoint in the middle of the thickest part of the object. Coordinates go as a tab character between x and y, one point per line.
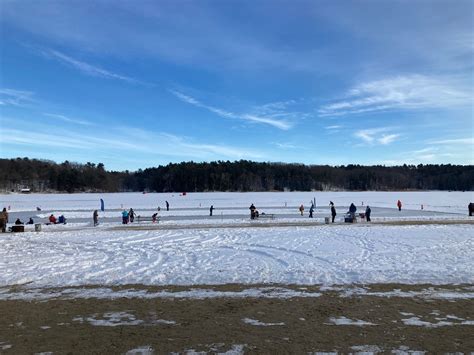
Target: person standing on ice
311	210
252	209
301	209
211	209
167	206
470	207
352	210
131	215
95	217
333	212
399	205
125	217
3	220
367	213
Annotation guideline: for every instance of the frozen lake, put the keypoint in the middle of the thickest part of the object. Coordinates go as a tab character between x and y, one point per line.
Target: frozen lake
310	253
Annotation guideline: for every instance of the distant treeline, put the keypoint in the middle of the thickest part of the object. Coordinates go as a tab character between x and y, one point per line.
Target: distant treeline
243	175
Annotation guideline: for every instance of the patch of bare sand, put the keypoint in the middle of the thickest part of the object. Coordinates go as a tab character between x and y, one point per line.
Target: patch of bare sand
269	326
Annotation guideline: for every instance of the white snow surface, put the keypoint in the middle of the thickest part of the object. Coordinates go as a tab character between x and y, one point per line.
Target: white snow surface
443	201
78	254
324	254
346	321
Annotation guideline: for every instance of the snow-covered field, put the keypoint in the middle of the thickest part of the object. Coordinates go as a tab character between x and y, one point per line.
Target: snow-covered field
77	254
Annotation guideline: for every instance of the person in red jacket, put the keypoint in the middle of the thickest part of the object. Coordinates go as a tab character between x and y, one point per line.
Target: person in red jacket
52	219
399	205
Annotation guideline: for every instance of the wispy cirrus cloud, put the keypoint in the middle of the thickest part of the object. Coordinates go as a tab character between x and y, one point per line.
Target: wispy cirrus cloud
401	93
15	97
278	123
377	136
87	68
122	142
455	141
68	119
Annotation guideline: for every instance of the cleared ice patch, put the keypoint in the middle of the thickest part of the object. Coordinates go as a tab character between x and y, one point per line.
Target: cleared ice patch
44	327
346	321
260	324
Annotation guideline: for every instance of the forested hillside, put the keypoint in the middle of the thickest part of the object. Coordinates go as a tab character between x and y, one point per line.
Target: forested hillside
42	175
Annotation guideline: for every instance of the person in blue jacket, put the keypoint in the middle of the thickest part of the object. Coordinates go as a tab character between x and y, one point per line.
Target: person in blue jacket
125	217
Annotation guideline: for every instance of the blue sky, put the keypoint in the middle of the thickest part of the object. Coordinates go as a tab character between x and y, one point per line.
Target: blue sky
135	84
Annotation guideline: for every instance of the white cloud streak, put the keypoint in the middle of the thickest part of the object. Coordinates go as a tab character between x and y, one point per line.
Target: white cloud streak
376	136
87	68
68	119
122	142
410	92
15	97
280	124
458	141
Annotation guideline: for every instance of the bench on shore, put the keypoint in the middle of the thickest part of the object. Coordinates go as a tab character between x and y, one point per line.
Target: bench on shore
148	219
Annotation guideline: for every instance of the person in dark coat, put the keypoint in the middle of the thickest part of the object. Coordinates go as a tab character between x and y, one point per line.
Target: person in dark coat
18	222
131	215
311	210
252	209
95	217
210	210
352	210
30	221
3	220
471	208
399	205
367	213
333	212
167	205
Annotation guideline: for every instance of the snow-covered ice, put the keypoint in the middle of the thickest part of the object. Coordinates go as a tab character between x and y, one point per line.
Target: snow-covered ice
444	201
342	254
311	253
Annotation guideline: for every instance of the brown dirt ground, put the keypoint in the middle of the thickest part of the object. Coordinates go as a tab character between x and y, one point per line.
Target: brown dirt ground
215	325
